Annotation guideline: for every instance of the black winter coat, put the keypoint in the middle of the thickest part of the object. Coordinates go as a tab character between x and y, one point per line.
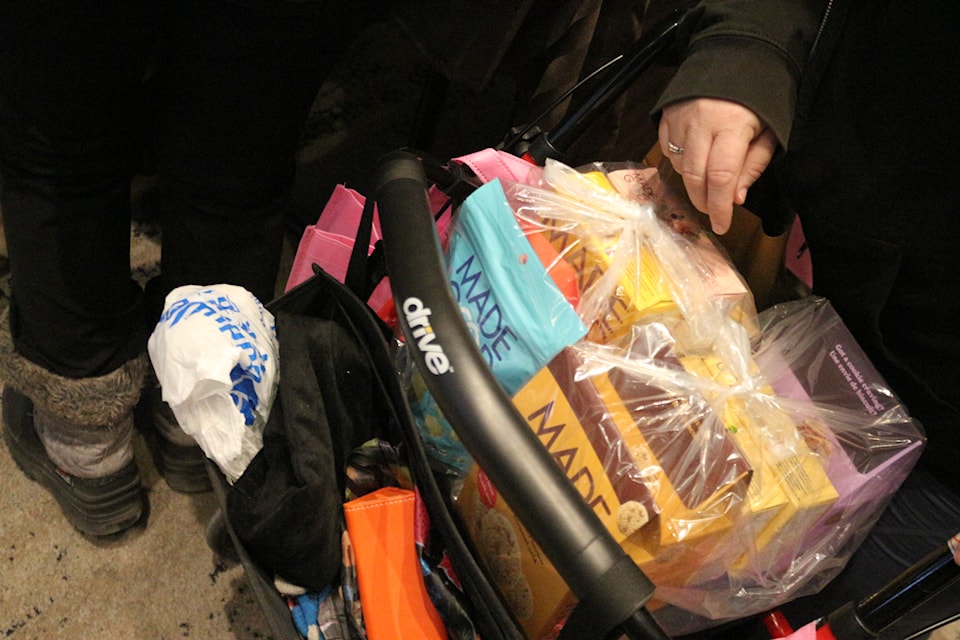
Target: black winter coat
871	164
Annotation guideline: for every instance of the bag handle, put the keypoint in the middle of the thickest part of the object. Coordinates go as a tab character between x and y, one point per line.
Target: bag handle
357	276
590	561
364	272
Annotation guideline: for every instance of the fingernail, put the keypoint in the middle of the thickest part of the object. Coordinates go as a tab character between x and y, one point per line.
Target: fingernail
742	196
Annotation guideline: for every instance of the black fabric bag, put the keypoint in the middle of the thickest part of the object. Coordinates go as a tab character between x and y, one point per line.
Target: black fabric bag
338	388
286	506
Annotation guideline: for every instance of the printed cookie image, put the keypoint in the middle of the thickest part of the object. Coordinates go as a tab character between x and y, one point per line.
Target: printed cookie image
519	596
648	470
631	517
500	548
499	544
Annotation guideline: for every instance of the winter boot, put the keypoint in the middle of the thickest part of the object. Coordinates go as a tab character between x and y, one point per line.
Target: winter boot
179	459
73	436
176	454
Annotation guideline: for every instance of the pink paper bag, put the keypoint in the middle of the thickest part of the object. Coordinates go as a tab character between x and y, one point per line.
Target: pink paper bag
328	243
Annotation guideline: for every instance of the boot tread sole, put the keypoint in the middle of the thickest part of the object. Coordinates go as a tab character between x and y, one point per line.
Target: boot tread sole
95	507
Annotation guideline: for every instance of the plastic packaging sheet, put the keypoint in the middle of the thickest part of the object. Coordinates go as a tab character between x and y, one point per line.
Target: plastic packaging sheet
738	458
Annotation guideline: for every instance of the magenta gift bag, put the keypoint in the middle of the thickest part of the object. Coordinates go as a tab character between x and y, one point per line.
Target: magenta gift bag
328	242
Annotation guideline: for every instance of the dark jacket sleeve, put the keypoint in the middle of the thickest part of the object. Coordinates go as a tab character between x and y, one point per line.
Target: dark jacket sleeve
748	51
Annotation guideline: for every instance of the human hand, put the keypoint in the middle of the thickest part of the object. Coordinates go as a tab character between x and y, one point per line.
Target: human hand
723	149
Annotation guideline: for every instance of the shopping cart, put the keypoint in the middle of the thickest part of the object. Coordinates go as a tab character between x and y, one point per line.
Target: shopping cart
611	589
612	592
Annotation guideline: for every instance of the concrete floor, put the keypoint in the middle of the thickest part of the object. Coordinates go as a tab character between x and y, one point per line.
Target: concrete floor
158	580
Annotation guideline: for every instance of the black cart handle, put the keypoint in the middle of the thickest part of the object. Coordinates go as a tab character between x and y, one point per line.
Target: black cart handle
593	565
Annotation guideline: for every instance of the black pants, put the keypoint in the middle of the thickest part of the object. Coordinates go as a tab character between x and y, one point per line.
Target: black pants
217	90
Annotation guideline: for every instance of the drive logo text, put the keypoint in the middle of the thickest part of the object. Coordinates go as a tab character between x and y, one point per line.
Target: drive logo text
418	319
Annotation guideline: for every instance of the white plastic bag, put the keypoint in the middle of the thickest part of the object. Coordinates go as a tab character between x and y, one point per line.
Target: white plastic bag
215	354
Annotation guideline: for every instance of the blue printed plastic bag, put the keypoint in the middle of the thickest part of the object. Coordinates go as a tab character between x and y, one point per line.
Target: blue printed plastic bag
215	354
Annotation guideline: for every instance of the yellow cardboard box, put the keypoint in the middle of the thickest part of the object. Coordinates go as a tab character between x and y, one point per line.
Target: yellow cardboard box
641	291
639	488
790	488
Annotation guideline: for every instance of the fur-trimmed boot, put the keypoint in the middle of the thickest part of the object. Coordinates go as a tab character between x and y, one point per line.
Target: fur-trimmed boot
74	437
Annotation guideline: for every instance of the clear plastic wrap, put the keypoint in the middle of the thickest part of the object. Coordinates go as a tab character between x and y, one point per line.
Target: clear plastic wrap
836	441
739	459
